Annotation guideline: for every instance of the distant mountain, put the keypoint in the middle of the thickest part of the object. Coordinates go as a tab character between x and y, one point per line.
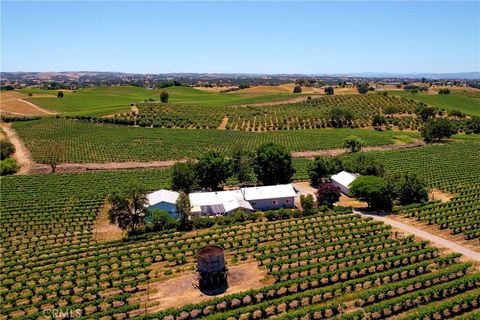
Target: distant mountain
79	75
455	75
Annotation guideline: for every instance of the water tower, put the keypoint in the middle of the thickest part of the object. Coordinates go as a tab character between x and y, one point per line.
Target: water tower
212	272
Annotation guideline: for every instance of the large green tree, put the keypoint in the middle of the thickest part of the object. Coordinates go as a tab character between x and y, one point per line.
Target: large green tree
410	189
128	209
212	169
183	211
323	167
365	165
376	191
340	117
273	164
242	166
183	176
438	129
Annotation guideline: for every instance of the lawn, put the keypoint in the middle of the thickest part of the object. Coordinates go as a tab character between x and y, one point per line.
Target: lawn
462	103
98	101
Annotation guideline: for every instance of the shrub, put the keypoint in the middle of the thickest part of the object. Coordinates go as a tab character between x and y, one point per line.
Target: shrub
353	143
307	203
8	166
6	149
444	91
164	96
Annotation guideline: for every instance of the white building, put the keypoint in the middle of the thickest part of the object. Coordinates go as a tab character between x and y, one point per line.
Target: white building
249	199
343	180
217	203
271	197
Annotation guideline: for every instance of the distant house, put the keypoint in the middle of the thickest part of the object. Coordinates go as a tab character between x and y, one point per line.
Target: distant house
217	203
270	197
343	180
163	200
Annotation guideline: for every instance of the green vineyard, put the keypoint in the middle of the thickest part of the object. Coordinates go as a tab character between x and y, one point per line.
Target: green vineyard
320	265
310	114
81	141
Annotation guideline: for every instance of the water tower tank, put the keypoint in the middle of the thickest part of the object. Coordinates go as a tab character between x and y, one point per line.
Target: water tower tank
211	268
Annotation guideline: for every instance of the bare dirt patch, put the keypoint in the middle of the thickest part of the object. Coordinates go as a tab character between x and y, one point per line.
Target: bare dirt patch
8	95
103	230
303	188
266	89
336	152
182	290
215	89
12	103
346	201
436	194
81	167
22	155
21	108
223	124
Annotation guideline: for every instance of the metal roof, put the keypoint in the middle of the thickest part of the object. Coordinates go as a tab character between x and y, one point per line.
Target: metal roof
224	201
344	178
162	195
269	192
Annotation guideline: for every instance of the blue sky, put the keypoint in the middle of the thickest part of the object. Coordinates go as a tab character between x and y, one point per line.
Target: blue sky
247	37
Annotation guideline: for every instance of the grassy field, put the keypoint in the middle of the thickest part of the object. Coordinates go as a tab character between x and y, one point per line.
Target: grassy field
81	141
98	101
459	102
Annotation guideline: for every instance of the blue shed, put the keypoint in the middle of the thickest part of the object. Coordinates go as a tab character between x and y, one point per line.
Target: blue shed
163	200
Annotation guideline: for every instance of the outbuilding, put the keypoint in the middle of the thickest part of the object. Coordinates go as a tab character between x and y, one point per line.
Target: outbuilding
343	180
163	200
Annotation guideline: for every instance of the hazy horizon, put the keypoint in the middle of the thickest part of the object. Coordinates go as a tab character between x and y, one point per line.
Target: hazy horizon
241	37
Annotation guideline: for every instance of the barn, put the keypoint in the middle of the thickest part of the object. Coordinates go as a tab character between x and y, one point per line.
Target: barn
163	200
343	180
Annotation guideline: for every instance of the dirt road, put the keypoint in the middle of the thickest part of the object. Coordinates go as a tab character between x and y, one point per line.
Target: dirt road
29	166
436	240
336	152
22	155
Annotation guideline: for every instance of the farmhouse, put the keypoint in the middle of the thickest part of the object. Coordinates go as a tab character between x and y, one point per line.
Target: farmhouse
249	199
270	197
163	200
343	180
226	202
217	203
